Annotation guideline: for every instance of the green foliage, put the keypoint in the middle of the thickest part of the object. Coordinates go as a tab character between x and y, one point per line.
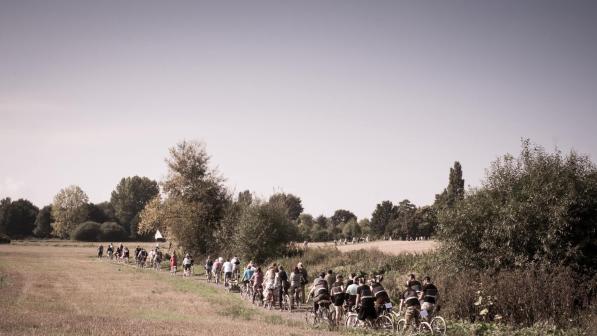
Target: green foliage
455	190
130	197
292	203
384	214
69	209
264	230
87	231
42	222
538	207
17	217
341	217
112	231
195	203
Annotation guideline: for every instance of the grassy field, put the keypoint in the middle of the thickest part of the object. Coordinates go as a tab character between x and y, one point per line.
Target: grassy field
63	290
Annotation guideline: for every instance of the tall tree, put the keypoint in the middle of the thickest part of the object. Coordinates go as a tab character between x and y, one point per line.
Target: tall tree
19	218
293	204
341	217
43	222
4	206
384	214
455	190
196	197
69	209
129	198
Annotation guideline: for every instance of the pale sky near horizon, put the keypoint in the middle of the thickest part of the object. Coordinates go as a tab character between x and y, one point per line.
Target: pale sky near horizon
343	103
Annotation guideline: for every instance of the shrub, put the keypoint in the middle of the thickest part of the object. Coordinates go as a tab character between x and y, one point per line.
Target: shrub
111	231
4	239
87	231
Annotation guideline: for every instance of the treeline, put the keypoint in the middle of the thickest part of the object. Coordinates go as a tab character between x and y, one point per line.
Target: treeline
71	215
195	210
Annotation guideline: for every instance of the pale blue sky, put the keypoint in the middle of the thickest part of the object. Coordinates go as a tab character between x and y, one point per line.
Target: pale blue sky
343	103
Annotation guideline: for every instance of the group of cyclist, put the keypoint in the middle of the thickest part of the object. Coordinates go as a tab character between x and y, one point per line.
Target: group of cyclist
147	259
363	294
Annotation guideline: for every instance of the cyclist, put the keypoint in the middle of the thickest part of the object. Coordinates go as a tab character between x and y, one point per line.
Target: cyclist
330	278
158	260
110	251
257	280
304	280
186	265
410	300
100	251
269	282
414	283
382	299
320	293
247	274
296	283
217	270
173	262
126	254
338	296
429	295
282	284
235	267
351	293
208	265
227	268
365	302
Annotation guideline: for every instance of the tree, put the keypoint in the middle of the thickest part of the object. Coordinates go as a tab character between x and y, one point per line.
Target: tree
292	203
150	218
405	223
264	231
100	213
341	217
538	207
455	190
42	222
4	206
69	209
129	198
19	218
384	214
245	197
195	199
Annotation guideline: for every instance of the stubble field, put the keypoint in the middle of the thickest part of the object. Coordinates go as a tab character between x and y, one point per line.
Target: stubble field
64	290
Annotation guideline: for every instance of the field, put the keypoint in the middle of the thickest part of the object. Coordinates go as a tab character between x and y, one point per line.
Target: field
394	247
59	288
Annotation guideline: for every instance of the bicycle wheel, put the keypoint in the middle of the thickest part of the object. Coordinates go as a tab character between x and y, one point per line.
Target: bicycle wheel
311	318
385	324
351	320
401	327
438	325
425	329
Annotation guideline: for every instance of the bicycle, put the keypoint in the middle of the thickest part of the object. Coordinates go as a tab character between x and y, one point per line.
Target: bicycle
322	316
383	323
437	323
424	328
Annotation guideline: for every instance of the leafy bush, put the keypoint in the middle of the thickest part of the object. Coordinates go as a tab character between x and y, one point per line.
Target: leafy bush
539	207
4	239
111	231
87	231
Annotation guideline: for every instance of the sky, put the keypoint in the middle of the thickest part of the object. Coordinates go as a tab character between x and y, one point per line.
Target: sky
343	103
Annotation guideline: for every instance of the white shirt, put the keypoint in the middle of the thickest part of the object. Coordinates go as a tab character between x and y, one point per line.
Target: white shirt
227	267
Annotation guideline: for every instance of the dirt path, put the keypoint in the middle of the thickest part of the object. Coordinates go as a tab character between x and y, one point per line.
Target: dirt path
47	290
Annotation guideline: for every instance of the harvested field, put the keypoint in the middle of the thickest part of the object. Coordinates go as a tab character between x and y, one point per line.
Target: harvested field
391	247
64	290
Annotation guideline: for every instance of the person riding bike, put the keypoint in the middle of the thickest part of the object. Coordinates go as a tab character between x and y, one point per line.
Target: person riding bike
379	293
414	283
208	266
257	280
100	251
365	302
228	268
305	279
429	295
217	270
338	296
410	300
247	274
296	283
320	293
351	293
235	267
282	284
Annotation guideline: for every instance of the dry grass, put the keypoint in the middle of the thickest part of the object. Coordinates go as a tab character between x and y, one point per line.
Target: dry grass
63	290
394	247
